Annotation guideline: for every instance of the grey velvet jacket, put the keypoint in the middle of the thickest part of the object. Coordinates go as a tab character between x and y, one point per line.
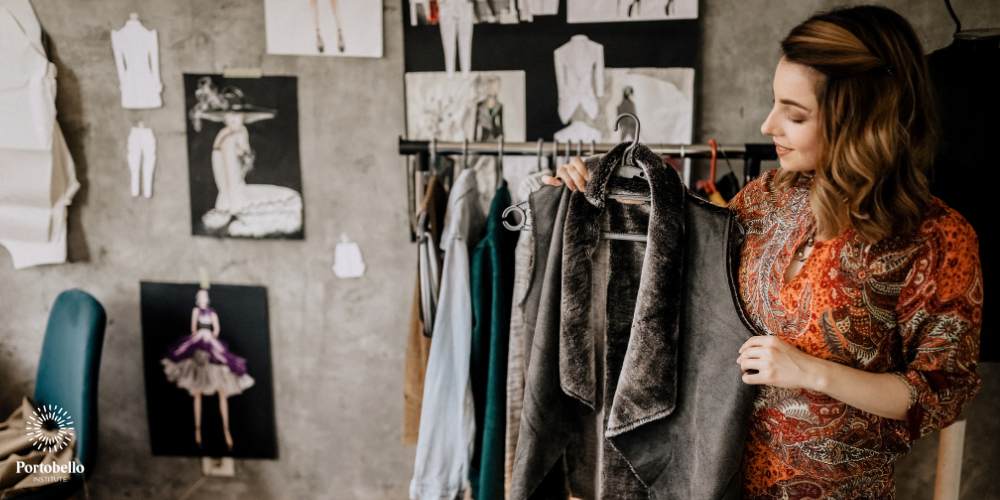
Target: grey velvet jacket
632	387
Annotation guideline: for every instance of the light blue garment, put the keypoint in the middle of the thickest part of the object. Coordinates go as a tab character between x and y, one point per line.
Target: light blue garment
447	424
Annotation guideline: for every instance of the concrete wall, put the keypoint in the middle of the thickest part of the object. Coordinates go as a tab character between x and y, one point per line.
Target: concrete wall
337	345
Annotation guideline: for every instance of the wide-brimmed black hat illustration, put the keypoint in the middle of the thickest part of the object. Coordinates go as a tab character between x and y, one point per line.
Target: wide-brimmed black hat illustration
214	105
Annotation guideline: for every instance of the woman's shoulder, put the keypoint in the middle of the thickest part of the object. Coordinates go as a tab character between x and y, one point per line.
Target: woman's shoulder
943	229
762	197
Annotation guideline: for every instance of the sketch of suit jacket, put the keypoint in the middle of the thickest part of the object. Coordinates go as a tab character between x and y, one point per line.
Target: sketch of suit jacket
137	57
579	66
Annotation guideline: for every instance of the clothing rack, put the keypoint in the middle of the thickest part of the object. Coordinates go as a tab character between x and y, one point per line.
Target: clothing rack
751	153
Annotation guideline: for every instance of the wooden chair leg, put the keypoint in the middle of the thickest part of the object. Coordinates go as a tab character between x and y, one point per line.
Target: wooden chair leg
949	464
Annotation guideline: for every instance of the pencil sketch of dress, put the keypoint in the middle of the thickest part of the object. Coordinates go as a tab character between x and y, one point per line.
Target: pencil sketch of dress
579	76
137	57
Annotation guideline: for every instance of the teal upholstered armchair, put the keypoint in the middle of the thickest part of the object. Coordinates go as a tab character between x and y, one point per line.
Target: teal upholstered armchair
67	377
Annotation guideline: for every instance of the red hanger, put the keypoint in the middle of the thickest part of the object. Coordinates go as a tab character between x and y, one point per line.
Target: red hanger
711	176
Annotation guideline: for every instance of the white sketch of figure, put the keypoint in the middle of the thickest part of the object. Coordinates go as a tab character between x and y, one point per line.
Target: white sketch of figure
578	131
251	210
579	65
137	57
456	18
141	158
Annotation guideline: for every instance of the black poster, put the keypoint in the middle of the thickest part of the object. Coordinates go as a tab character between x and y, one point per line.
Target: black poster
243	156
197	345
646	50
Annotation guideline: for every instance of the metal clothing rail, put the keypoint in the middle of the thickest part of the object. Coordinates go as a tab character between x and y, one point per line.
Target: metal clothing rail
577	148
751	153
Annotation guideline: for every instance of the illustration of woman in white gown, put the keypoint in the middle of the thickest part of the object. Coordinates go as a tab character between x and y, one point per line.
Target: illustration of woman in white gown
250	210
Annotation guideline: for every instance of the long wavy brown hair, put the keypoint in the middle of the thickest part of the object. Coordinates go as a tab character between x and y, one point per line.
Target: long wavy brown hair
878	124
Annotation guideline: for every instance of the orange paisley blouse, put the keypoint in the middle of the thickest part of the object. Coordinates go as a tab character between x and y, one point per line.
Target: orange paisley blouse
910	305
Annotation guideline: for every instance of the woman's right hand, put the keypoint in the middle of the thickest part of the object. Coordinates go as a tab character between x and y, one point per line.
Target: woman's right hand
574	174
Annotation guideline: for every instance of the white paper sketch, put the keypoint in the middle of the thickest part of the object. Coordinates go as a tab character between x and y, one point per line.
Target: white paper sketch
351	28
604	11
485	105
578	131
662	98
142	159
347	261
137	57
456	18
579	66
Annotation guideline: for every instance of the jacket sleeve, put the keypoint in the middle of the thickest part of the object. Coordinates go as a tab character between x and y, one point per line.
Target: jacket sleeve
939	314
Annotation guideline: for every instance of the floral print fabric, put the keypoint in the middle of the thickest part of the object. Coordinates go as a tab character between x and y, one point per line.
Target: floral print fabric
910	305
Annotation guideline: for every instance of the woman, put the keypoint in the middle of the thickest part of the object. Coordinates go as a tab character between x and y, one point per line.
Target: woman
202	364
868	289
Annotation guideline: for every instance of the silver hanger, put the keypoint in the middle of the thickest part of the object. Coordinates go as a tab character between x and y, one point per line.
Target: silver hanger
540	144
465	153
433	151
628	170
499	161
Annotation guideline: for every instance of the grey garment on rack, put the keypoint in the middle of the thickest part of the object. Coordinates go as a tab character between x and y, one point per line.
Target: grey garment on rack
675	406
523	263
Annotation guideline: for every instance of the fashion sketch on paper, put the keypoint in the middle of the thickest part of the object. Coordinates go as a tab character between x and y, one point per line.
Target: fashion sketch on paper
202	364
137	58
247	210
489	114
579	76
627	106
336	19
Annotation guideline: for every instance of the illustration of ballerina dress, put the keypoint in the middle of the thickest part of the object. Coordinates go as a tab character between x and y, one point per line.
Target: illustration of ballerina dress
202	364
247	210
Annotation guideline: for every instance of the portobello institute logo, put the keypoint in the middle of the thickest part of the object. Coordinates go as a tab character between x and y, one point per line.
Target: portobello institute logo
50	428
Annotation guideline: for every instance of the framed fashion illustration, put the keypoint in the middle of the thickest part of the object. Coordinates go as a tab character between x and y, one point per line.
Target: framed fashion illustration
207	364
348	28
243	156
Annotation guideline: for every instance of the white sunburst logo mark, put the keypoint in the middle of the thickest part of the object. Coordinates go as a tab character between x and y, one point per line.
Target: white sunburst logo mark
50	428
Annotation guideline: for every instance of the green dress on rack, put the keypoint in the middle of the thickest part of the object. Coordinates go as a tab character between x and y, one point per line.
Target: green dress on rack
492	283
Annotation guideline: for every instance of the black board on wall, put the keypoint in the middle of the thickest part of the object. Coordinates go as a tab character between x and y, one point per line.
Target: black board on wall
244	327
529	47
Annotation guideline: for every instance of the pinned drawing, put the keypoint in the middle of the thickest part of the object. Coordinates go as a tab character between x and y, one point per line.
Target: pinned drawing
579	76
323	27
207	361
137	57
608	11
347	261
243	157
482	107
142	159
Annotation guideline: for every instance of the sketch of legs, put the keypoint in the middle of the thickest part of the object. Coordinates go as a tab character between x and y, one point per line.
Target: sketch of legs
336	20
224	410
197	418
319	39
142	159
456	18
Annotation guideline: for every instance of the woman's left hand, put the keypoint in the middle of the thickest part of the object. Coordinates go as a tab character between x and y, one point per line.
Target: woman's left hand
778	364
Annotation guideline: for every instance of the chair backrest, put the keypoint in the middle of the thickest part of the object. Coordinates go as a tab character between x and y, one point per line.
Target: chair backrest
69	365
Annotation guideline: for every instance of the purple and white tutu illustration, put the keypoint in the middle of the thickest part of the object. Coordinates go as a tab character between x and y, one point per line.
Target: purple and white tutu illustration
202	364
